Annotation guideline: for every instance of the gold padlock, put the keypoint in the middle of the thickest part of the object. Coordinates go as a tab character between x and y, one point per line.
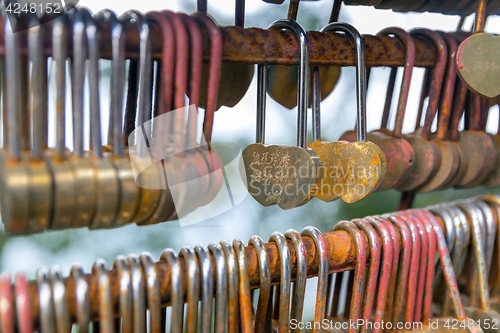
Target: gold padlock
106	176
278	174
14	179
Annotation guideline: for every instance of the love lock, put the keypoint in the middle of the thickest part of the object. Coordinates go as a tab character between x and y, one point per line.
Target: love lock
82	167
483	314
282	80
213	162
476	57
106	176
398	152
58	160
283	175
40	178
150	177
450	154
129	191
364	160
427	152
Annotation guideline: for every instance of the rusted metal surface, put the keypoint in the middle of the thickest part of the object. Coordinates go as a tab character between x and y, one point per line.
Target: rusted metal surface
255	45
342	257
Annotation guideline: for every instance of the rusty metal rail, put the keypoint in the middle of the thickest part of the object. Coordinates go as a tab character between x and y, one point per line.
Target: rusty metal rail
260	46
341	257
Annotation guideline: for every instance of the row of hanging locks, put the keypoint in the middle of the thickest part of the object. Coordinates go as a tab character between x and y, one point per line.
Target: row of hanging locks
418	270
125	180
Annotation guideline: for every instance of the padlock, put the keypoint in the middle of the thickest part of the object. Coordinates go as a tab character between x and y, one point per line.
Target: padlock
282	185
7	312
129	192
450	154
58	160
40	178
106	176
47	315
398	152
212	158
365	162
148	173
83	171
14	178
427	152
476	50
282	80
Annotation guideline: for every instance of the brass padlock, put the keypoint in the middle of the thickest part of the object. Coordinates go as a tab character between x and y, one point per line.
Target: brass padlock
129	191
14	178
40	178
148	174
278	174
356	168
106	176
84	172
58	159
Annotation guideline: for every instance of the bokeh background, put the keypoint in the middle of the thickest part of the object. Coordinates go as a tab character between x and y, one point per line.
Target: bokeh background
237	125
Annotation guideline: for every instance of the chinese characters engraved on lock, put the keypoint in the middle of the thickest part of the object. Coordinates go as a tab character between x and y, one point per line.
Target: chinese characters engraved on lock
50	9
202	183
269	170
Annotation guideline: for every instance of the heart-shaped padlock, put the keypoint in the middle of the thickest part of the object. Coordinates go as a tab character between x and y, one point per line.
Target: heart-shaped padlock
477	58
278	174
352	170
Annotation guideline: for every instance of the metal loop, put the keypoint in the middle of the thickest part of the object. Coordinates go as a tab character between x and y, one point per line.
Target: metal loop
6	310
23	304
207	287
193	288
265	283
153	292
246	311
176	288
232	286
46	301
322	255
63	322
125	323
221	287
106	323
82	298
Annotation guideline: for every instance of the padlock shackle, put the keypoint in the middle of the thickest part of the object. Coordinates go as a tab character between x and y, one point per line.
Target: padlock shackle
437	77
117	79
480	16
359	51
303	84
260	132
410	52
59	47
93	41
38	88
78	78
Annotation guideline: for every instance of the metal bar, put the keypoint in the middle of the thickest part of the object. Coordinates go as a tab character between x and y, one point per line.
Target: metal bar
260	46
341	257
